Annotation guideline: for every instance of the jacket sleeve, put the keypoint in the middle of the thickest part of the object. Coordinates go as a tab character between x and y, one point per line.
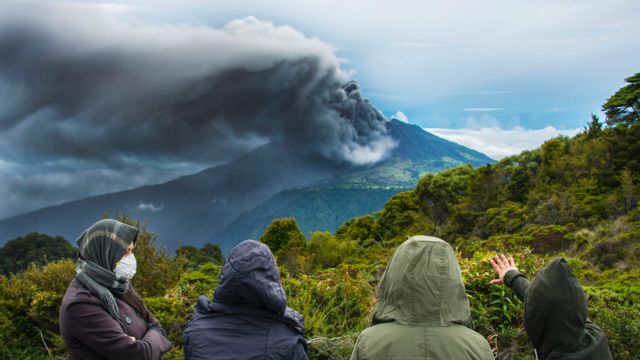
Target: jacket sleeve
517	282
98	330
300	353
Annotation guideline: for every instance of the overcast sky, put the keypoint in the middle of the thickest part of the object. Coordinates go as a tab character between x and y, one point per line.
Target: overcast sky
497	76
527	63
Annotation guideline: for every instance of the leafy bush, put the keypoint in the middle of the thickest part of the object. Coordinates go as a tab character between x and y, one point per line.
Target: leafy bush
334	302
34	248
29	309
618	317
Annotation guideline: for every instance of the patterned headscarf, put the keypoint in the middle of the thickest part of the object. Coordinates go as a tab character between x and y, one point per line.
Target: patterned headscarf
101	246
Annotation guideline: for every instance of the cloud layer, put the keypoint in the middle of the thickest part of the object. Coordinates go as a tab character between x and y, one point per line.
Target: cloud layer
498	143
94	84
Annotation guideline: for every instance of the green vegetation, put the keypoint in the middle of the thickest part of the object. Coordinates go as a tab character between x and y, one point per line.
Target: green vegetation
314	208
34	248
209	253
577	198
624	105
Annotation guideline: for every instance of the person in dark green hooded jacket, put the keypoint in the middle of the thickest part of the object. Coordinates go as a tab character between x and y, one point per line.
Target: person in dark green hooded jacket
555	312
422	310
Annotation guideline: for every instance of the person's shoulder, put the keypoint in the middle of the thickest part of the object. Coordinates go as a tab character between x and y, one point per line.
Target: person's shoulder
283	340
79	306
77	294
466	333
279	328
388	326
388	333
468	339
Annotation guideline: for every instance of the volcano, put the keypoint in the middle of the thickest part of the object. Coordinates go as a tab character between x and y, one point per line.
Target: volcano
228	203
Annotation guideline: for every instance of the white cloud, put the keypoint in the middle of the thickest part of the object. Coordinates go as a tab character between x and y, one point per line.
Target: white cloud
150	207
483	121
399	115
415	44
479	109
484	92
555	110
498	143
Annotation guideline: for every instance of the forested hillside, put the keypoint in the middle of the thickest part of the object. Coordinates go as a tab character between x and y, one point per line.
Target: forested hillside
225	204
577	198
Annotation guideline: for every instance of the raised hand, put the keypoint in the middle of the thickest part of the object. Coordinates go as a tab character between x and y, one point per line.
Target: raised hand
501	265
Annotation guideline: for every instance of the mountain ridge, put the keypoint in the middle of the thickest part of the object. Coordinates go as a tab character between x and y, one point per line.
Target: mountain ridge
191	208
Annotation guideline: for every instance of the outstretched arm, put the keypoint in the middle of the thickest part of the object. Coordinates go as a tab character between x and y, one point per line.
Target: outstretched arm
509	275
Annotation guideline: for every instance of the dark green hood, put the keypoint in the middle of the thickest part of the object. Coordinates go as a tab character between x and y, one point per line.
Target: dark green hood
422	285
556	317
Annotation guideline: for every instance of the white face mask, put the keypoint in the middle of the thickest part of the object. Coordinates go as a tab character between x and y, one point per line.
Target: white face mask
126	267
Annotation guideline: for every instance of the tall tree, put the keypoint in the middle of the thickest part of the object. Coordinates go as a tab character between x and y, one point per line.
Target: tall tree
36	248
628	189
209	253
282	232
624	106
594	128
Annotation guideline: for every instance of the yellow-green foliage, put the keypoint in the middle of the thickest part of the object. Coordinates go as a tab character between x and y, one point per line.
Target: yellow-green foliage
336	303
29	310
576	198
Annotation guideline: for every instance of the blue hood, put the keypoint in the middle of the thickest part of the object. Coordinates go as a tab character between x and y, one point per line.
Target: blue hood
250	285
249	278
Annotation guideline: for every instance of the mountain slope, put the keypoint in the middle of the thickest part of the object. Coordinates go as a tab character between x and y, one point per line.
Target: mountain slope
190	209
325	207
315	209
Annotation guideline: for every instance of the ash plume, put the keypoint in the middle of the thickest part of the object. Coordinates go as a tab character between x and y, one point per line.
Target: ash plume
94	85
82	81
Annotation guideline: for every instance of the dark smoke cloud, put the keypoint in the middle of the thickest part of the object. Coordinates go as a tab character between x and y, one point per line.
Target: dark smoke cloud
94	84
83	82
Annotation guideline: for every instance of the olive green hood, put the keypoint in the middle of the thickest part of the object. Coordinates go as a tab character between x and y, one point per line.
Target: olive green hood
556	317
422	285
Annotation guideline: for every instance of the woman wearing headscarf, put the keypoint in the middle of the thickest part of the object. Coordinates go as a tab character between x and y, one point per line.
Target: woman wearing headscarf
101	316
422	310
248	318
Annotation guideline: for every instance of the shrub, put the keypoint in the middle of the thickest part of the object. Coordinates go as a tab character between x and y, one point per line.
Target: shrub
29	309
334	302
618	318
34	248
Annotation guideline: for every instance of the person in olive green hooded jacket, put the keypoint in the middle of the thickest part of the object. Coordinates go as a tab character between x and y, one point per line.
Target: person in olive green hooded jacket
422	310
555	312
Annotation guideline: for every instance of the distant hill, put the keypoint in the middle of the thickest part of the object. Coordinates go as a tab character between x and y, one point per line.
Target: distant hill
326	206
210	205
314	209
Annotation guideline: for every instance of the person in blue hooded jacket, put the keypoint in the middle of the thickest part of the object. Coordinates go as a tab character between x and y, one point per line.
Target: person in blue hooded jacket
248	317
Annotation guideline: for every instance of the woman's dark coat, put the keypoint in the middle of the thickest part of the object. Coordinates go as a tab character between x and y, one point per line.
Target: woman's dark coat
89	332
248	318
